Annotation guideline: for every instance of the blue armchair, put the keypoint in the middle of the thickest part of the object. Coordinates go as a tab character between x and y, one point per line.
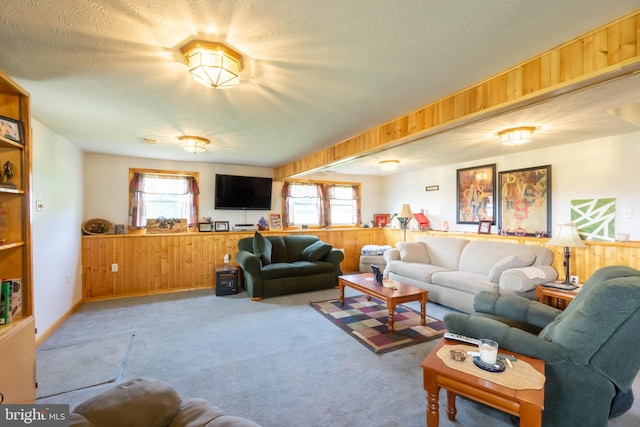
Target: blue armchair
591	350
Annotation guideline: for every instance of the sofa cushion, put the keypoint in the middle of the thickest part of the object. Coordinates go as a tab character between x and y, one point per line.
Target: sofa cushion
262	248
279	270
511	261
414	252
307	268
526	279
464	281
444	251
316	251
480	256
413	270
128	405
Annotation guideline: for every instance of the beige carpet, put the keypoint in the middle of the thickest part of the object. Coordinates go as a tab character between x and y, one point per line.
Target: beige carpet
80	365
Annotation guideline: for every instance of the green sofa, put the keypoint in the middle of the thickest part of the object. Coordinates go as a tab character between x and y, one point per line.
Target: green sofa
277	265
590	350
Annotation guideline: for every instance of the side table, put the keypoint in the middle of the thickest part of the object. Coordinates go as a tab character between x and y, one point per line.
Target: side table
558	298
526	403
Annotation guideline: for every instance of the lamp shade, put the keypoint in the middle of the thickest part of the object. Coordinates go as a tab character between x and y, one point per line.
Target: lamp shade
567	236
405	212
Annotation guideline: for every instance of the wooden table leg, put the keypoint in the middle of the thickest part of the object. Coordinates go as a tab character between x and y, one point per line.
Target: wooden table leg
423	310
530	416
341	292
451	405
433	415
391	305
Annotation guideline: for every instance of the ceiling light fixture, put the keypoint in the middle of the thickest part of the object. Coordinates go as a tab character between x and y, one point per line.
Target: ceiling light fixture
213	64
516	136
193	144
388	165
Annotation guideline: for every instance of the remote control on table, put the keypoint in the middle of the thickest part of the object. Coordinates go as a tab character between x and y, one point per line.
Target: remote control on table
462	338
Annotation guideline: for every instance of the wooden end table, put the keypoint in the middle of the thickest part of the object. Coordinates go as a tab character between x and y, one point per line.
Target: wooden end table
527	404
557	298
366	284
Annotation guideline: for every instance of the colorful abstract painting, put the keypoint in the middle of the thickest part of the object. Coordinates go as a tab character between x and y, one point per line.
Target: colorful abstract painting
595	218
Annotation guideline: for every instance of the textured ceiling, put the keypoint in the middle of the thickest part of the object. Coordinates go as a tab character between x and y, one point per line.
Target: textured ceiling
106	74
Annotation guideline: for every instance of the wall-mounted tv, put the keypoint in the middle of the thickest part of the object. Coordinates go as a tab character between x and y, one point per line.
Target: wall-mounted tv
243	192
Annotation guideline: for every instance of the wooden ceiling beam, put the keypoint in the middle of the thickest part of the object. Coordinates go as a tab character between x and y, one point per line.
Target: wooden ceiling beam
600	55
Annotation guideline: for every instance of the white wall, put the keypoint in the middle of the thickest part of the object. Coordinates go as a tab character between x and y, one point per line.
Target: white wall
606	167
107	187
58	180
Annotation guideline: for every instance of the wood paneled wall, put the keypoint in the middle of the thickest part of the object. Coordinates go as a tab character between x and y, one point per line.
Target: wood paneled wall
600	55
149	264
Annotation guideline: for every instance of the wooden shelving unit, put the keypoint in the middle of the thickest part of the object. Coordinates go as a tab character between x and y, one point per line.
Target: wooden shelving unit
17	337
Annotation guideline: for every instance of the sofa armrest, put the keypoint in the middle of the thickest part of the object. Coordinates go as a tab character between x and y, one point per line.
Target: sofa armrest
335	256
509	338
249	262
390	255
516	308
525	278
251	273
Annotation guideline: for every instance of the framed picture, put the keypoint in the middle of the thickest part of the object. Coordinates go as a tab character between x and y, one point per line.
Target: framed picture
221	225
205	226
12	129
476	188
525	201
484	227
380	220
275	221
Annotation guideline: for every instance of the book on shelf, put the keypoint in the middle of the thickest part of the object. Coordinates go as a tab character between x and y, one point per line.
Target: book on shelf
11	300
5	305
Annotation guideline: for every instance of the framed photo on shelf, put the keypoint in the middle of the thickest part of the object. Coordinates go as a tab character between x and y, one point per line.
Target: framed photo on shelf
476	189
380	220
525	201
205	226
275	221
12	129
221	225
484	227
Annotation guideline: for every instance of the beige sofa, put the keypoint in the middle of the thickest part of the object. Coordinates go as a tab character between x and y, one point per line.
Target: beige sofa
454	270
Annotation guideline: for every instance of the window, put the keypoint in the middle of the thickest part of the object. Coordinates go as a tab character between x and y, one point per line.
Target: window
321	204
168	194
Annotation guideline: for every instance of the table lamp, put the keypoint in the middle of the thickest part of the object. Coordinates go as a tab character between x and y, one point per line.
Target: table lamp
569	238
404	217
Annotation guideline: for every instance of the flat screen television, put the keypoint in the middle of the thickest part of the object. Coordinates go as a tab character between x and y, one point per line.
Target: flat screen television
243	192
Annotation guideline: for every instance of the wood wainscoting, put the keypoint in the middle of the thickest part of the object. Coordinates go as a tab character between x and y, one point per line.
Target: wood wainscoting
150	264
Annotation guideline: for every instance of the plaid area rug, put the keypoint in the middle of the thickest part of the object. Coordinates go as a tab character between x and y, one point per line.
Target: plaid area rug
366	321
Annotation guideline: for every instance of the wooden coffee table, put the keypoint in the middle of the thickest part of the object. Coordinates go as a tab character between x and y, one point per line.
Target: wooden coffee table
366	284
526	404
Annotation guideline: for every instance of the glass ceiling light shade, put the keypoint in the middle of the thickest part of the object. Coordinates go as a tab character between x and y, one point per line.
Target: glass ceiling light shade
388	165
213	64
193	144
516	136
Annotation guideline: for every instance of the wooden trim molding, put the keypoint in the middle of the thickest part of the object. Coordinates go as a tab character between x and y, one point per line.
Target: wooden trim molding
601	55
